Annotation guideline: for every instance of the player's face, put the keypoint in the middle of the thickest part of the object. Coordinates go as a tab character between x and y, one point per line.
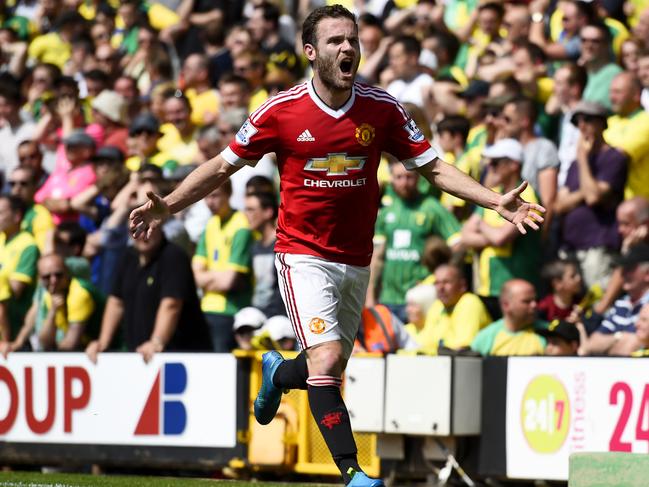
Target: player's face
337	53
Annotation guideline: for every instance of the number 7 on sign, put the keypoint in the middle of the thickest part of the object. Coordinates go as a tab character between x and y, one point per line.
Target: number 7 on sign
559	407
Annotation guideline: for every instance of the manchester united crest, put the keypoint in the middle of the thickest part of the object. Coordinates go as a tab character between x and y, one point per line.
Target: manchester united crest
317	325
365	134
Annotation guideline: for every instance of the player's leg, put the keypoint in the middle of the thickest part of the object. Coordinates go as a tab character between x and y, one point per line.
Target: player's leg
300	280
292	374
326	362
352	289
311	289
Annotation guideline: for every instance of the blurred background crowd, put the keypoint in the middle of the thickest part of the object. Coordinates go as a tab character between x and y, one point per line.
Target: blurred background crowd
103	101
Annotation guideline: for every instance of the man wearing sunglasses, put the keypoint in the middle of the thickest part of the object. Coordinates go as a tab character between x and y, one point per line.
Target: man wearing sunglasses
144	132
65	310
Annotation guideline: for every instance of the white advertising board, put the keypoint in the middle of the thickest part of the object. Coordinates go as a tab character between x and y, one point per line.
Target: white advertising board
418	395
557	406
364	393
174	400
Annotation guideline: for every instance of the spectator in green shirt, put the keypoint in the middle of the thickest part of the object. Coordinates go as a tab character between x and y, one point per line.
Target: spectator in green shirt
596	57
515	333
402	227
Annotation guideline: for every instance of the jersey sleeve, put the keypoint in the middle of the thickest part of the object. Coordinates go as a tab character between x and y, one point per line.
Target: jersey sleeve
405	141
256	137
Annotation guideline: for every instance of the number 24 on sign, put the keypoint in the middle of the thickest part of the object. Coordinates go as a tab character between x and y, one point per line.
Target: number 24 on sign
545	415
621	393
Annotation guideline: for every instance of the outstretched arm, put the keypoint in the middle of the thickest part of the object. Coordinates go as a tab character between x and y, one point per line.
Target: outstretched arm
509	205
207	177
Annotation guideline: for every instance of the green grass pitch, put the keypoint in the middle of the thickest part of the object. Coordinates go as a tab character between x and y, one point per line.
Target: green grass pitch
35	479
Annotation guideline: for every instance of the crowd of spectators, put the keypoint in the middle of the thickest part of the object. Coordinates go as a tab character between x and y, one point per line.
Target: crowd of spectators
102	101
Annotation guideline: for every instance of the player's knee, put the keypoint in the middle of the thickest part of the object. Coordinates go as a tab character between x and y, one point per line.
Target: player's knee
326	359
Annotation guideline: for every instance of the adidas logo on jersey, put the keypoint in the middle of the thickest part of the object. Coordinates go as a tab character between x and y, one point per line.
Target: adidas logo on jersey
306	137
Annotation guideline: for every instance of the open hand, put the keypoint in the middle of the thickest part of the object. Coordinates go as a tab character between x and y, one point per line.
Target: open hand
518	211
145	218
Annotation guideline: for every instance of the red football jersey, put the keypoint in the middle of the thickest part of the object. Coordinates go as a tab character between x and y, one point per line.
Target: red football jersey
328	161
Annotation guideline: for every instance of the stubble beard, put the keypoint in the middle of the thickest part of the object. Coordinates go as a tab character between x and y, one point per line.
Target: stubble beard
327	70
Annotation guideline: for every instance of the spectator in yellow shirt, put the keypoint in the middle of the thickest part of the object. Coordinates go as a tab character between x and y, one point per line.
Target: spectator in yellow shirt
456	316
56	47
202	97
179	132
628	131
65	310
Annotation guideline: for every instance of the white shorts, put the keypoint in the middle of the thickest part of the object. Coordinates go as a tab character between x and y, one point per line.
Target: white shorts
323	299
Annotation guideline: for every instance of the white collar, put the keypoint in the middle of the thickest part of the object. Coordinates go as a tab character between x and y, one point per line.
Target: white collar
327	109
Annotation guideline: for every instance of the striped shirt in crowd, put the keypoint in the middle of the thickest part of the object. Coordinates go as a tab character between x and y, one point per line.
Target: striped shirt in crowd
623	315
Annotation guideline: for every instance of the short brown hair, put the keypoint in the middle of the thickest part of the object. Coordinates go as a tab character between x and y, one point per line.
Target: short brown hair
311	22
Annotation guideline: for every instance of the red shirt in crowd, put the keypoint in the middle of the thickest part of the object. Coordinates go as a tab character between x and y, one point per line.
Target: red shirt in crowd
549	310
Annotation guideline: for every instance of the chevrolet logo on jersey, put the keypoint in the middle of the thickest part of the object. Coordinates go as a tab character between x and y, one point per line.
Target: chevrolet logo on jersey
336	164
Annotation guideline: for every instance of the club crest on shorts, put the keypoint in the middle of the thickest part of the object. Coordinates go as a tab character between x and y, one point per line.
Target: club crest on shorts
365	134
317	325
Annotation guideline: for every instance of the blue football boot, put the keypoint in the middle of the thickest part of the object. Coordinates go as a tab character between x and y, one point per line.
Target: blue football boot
269	396
360	479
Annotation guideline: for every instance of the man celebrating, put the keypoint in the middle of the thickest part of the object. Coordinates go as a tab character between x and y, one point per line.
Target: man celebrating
328	134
